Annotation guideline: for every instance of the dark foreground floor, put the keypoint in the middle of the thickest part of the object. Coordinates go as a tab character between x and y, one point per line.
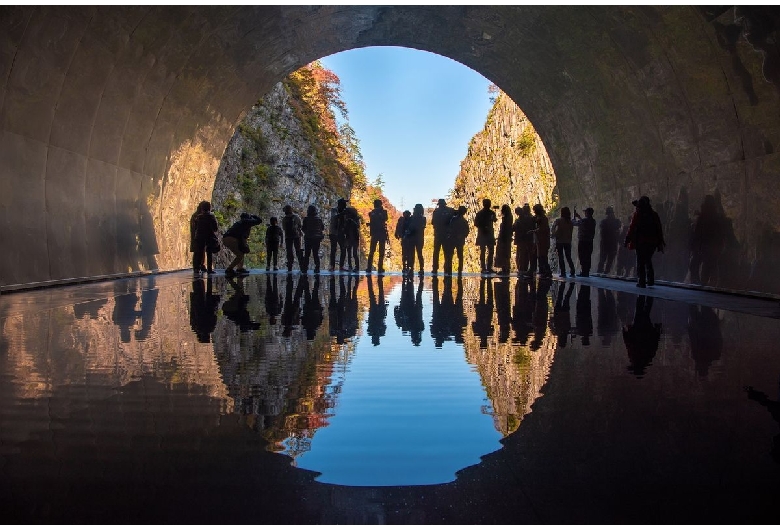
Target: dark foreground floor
652	410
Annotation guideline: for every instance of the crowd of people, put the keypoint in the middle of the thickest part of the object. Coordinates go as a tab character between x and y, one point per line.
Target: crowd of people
530	233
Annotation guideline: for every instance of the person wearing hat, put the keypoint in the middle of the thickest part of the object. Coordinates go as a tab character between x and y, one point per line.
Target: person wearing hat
610	238
439	219
586	231
455	239
377	225
645	236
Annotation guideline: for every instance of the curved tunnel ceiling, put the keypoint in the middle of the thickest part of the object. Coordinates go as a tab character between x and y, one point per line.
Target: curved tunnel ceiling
114	119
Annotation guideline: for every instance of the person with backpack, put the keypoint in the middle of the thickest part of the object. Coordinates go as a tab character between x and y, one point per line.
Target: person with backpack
455	239
274	236
336	234
293	232
440	220
313	234
235	239
378	230
586	232
645	236
415	228
206	238
562	230
486	238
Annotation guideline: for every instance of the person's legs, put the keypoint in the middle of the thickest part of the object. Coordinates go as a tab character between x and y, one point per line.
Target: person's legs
288	245
233	245
304	263
459	250
490	255
482	252
436	249
197	257
567	253
641	279
410	256
268	253
380	266
315	248
333	244
209	262
418	247
371	252
584	251
298	250
561	258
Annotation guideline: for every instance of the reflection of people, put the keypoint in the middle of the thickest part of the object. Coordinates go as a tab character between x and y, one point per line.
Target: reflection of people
377	311
483	313
126	316
641	337
408	313
541	312
351	322
624	264
522	312
311	317
273	300
203	310
707	243
706	339
336	305
607	324
439	324
235	307
291	315
503	311
774	409
561	320
584	318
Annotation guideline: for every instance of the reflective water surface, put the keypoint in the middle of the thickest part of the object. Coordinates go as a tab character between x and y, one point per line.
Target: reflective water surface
390	381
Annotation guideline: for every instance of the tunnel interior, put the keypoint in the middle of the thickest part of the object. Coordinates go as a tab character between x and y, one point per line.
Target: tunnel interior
114	119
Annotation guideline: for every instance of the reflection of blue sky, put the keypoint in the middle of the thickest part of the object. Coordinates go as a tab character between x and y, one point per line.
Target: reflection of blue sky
407	415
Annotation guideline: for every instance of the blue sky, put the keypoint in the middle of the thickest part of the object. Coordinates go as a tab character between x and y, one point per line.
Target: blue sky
414	113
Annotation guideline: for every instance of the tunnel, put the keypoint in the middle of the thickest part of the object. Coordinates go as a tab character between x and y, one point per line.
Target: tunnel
114	118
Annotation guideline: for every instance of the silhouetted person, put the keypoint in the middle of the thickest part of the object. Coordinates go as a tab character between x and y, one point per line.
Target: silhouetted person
584	317
641	337
291	315
402	233
408	313
504	241
203	310
205	239
707	243
645	236
524	238
274	237
774	409
235	240
503	310
377	311
312	315
313	234
457	232
336	234
541	312
486	238
586	232
273	300
235	307
416	229
483	313
352	238
705	337
293	233
562	231
541	242
609	229
197	256
561	320
607	325
678	234
440	219
523	310
377	225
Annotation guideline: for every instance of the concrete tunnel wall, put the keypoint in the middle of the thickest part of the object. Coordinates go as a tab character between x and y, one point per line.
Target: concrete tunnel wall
114	119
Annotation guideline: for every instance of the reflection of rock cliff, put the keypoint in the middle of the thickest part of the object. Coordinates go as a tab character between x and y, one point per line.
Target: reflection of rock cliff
512	372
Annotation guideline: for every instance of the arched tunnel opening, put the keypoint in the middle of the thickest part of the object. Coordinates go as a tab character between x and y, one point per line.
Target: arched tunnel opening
116	119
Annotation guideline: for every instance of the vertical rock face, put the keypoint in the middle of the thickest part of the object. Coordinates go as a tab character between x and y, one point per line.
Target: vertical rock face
506	163
269	162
